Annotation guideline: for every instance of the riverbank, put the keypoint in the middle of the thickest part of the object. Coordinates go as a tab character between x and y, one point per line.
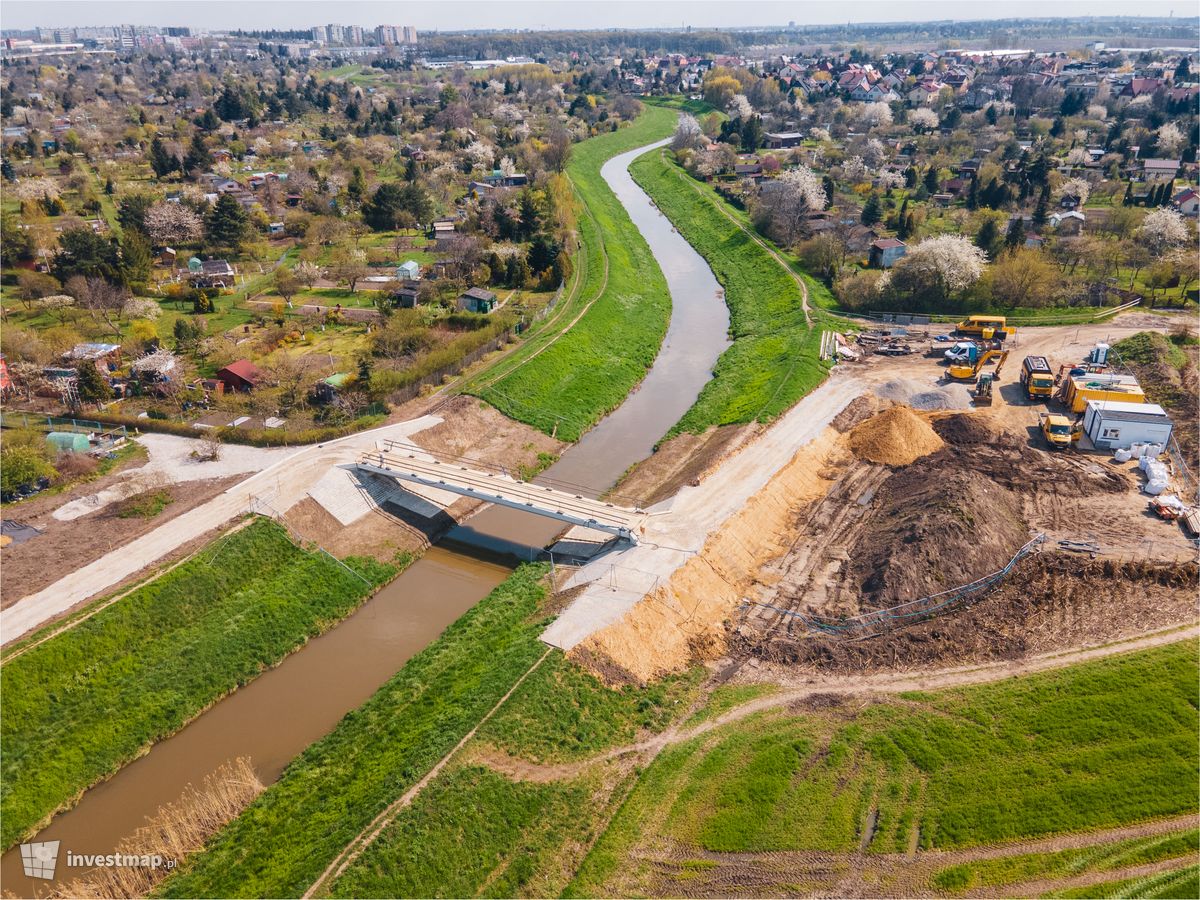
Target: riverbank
565	387
86	702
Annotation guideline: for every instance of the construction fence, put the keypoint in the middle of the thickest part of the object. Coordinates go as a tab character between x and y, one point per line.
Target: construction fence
881	620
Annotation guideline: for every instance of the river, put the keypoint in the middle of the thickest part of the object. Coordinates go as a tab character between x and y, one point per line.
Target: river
276	716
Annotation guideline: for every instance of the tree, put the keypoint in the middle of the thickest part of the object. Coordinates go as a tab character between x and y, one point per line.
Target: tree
877	114
227	224
351	272
939	267
872	212
785	209
1023	277
823	254
286	284
688	134
987	238
307	272
83	252
932	181
162	161
171	224
35	285
1076	187
103	299
91	385
1014	237
136	261
16	243
23	465
197	158
1162	230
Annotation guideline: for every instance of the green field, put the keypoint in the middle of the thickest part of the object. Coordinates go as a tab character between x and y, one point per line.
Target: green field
591	368
1095	745
1177	884
773	361
82	704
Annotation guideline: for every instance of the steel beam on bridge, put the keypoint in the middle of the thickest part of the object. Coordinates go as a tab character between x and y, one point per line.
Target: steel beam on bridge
505	491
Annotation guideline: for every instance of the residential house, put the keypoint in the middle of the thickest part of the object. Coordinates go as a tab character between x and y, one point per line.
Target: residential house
105	356
782	140
240	375
211	273
1160	169
499	179
1068	222
925	94
1187	202
886	251
479	300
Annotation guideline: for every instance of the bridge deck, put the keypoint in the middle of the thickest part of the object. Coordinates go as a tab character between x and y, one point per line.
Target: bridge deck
504	490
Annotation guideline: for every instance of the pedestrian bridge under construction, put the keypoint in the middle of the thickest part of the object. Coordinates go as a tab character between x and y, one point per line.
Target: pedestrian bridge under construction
407	464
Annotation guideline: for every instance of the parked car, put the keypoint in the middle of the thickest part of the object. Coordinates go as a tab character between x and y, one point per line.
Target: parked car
961	352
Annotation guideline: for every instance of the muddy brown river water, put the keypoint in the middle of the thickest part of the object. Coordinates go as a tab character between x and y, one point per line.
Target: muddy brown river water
276	716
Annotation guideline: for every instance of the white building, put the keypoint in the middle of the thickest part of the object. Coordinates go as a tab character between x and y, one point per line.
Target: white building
1117	425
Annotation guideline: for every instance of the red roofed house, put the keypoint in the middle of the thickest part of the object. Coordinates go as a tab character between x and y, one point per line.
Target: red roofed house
241	375
1187	202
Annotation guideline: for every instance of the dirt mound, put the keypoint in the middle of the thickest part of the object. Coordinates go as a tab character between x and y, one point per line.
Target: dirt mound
963	428
1051	601
857	411
923	396
940	523
894	437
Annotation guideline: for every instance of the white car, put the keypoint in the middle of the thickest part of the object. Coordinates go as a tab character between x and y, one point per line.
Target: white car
960	352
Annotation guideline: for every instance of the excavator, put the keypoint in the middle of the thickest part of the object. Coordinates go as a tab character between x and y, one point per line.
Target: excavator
969	372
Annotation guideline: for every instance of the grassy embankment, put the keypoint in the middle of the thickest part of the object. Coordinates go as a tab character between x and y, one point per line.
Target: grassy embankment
773	361
588	371
329	794
1095	745
1165	366
86	702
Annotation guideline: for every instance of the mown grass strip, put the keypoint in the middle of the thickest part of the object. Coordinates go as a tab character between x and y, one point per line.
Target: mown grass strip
1066	863
86	702
1176	884
590	369
1096	745
329	793
774	359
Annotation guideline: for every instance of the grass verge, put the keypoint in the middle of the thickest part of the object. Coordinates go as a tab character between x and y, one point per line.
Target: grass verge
590	369
86	702
773	361
1177	884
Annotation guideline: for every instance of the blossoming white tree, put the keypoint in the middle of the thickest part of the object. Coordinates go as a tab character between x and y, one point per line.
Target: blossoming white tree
876	114
740	108
797	192
1171	139
1163	229
1076	187
947	264
922	119
173	223
688	133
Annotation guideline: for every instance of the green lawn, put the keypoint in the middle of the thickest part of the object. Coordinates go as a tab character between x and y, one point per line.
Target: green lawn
1177	884
83	704
593	367
773	361
1095	745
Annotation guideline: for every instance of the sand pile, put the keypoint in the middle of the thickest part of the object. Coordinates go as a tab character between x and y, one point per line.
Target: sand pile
925	397
895	437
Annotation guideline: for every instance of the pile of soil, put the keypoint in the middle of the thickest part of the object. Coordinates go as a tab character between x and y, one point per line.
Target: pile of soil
1050	602
940	523
963	429
894	437
855	412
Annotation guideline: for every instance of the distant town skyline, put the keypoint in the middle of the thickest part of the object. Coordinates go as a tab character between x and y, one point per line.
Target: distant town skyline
450	15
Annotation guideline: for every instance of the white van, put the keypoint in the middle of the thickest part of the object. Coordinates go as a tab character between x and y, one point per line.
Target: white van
960	352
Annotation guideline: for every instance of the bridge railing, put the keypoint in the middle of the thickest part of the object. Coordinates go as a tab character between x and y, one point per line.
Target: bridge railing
567	487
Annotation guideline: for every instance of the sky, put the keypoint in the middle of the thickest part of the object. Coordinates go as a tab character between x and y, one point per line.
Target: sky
432	15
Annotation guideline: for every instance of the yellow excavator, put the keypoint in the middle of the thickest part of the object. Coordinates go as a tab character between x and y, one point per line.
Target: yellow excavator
970	371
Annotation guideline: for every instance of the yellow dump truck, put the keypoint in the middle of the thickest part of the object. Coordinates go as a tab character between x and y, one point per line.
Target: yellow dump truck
1037	377
1079	389
986	327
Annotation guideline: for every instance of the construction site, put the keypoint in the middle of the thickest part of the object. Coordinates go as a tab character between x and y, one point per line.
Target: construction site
937	511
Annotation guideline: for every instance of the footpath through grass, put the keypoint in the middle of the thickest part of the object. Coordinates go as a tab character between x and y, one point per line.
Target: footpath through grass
1096	745
774	359
332	791
589	370
86	702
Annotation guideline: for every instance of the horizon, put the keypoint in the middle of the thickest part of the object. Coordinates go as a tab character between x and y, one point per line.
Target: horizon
529	15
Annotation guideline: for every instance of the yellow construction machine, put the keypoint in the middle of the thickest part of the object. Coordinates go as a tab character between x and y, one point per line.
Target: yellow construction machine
1058	431
969	372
